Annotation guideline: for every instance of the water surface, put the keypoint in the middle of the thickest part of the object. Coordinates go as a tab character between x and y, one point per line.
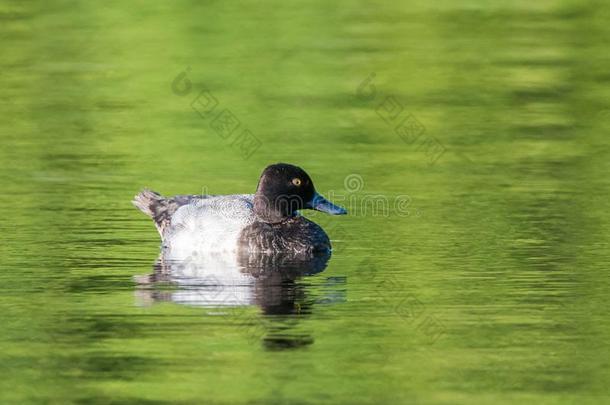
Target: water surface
467	139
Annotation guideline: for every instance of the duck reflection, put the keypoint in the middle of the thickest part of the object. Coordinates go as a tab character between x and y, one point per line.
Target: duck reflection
232	285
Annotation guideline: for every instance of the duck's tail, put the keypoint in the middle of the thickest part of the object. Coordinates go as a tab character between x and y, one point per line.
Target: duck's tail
155	206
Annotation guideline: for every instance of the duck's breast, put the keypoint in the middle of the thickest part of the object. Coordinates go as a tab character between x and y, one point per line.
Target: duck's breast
296	235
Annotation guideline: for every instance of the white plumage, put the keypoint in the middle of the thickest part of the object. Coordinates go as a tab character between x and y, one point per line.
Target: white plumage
211	224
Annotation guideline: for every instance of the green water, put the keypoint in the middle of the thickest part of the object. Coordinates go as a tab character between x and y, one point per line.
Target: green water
468	139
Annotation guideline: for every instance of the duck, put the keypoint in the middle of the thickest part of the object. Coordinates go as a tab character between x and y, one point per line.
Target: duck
267	221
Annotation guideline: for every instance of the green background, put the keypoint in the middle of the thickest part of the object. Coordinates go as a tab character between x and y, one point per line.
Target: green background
504	243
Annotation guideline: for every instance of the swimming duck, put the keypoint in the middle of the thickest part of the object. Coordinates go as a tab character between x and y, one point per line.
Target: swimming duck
266	222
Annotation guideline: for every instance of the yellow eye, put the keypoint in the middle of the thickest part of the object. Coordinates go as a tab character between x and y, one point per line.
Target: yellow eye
296	181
